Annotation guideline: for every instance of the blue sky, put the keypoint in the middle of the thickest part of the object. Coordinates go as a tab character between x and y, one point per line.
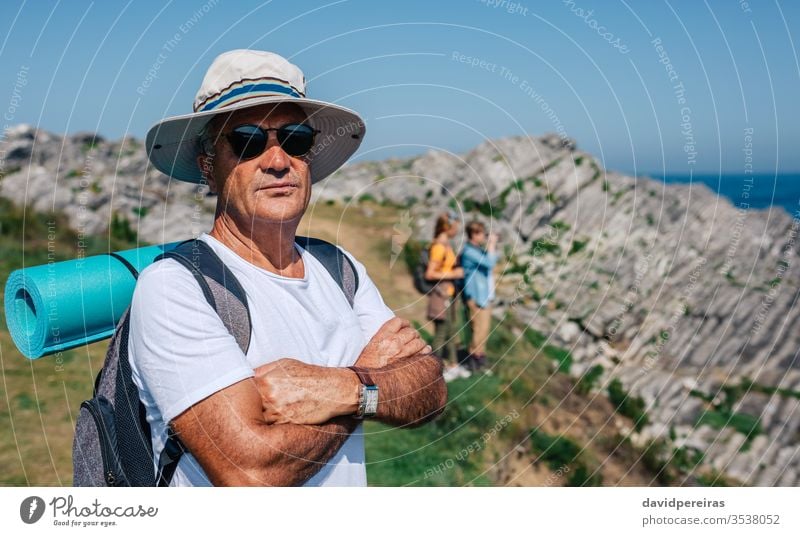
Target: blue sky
589	68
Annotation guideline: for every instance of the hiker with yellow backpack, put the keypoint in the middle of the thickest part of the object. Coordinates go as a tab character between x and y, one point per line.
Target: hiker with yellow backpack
442	305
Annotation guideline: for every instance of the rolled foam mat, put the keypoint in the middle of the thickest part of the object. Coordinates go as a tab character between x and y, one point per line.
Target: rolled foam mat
62	305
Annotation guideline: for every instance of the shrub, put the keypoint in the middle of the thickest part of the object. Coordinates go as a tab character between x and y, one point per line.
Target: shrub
577	246
627	405
589	379
120	229
555	451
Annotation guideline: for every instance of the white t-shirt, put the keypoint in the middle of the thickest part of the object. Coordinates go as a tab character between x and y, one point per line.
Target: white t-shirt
181	352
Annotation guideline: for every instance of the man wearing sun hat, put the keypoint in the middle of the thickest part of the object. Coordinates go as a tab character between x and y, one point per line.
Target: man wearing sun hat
288	410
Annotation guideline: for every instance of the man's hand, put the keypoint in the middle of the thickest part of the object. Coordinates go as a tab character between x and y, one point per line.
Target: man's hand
299	393
395	340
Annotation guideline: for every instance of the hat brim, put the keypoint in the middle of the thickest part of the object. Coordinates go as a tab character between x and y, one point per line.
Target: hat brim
173	144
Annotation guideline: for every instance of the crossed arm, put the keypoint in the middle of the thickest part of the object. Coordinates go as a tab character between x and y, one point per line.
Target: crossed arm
282	426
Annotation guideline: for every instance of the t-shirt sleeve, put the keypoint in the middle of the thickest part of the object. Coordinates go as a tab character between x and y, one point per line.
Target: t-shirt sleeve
368	304
180	350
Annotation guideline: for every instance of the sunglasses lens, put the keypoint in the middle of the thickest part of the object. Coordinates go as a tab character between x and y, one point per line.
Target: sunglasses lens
247	141
296	139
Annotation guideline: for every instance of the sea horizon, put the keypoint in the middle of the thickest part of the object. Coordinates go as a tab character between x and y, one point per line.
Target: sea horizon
765	190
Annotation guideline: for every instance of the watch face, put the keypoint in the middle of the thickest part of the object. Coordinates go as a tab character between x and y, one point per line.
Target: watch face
371	399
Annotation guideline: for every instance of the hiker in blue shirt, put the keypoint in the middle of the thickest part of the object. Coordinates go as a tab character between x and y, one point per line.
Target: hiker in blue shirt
478	292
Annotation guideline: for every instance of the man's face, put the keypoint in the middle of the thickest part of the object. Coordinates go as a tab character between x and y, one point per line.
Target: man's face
273	187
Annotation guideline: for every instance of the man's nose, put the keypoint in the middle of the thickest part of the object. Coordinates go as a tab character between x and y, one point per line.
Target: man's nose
274	158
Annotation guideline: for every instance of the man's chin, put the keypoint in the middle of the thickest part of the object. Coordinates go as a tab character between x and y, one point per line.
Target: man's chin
279	212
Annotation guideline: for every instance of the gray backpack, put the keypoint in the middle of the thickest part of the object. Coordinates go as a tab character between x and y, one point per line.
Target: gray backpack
112	445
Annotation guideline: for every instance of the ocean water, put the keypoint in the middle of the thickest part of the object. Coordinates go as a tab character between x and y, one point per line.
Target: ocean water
781	190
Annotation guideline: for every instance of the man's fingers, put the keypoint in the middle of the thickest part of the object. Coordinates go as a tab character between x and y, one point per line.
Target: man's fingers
394	325
416	346
407	334
412	347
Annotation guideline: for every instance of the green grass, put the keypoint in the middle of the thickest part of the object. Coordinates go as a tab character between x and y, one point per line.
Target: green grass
542	246
40	398
577	246
561	356
671	465
38	410
746	424
563	454
485	208
721	414
589	379
451	450
438	453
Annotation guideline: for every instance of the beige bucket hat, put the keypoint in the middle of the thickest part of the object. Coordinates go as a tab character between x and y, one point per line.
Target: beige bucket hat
242	79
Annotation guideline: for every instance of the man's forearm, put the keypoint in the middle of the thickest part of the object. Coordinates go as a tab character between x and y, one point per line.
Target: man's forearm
263	453
411	390
300	451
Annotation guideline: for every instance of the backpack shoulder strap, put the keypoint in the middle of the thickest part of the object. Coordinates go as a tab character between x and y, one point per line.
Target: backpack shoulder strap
335	262
225	294
220	287
130	415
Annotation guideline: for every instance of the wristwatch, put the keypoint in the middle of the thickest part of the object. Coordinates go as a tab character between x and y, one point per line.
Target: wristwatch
368	397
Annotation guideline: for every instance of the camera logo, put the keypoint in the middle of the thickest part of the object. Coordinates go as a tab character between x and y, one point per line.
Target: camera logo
31	509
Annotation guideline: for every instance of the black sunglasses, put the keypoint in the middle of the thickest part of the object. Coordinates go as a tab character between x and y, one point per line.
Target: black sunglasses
249	141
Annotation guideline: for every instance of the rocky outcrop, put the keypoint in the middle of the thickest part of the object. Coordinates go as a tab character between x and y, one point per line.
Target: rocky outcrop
688	300
91	179
671	289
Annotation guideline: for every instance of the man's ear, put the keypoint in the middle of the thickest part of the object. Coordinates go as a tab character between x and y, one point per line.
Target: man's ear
206	165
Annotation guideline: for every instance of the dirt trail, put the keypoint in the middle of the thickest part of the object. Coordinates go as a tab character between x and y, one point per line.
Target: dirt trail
367	231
